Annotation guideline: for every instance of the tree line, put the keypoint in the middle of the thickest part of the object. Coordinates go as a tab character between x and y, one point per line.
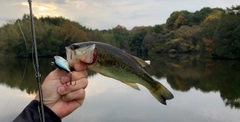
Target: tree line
209	31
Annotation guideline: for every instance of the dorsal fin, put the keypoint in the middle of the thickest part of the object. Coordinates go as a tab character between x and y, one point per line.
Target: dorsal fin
140	61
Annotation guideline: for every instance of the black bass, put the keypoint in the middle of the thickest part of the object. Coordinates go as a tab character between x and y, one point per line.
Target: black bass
115	63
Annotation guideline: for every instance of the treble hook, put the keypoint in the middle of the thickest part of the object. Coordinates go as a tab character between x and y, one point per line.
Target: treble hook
71	80
63	64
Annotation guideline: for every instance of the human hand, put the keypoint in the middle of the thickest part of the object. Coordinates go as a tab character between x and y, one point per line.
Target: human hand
63	99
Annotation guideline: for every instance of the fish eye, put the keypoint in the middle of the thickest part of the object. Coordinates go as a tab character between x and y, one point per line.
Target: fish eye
73	46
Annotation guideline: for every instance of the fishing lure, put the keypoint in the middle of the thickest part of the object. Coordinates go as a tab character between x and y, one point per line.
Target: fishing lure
63	64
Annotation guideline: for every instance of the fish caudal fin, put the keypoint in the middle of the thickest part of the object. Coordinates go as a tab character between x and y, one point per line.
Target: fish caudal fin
161	93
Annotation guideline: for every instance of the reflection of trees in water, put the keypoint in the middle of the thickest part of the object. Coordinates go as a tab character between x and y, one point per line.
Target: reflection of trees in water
13	69
184	72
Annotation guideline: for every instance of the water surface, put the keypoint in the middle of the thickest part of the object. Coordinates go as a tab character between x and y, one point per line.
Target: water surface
205	90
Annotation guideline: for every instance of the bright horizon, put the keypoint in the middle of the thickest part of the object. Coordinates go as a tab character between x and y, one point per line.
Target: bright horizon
106	14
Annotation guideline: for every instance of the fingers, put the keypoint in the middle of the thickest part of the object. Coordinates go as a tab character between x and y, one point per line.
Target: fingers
80	66
78	95
78	78
75	76
80	84
74	92
55	75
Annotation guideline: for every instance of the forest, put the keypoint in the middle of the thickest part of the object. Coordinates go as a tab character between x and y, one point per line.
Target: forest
212	32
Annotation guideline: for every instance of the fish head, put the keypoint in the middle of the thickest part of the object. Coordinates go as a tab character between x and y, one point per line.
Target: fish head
81	52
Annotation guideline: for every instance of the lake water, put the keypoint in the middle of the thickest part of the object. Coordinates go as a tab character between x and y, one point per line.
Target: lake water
204	90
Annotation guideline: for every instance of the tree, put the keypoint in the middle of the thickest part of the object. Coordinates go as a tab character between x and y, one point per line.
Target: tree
208	45
226	41
71	33
214	15
234	10
148	43
157	29
136	42
171	20
181	20
58	21
51	37
120	34
109	38
95	35
199	16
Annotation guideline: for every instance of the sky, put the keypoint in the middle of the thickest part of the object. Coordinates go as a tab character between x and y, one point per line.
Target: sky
107	14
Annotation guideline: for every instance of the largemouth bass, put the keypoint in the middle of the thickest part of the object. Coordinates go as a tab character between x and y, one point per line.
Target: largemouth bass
115	63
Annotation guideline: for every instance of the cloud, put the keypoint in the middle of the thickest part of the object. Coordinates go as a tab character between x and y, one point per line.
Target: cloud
43	9
41	6
105	14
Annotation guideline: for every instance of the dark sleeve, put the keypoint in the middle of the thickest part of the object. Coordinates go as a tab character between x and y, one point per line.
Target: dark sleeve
31	114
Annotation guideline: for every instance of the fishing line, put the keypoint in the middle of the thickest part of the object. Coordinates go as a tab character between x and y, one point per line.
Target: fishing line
25	68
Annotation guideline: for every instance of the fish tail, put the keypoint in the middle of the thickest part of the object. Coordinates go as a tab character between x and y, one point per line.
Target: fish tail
161	93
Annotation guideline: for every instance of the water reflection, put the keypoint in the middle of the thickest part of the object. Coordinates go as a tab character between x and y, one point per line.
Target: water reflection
182	72
196	83
12	72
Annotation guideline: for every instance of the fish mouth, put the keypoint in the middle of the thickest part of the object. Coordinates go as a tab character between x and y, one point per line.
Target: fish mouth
80	53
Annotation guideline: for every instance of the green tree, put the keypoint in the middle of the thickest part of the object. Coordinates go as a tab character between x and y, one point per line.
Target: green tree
171	20
136	42
226	41
109	38
120	34
181	20
51	37
148	43
95	35
199	16
178	18
157	29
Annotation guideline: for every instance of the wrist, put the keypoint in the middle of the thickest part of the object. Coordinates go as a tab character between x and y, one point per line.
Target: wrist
37	97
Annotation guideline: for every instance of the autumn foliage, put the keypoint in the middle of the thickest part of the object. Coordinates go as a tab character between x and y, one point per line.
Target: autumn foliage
71	33
208	44
209	31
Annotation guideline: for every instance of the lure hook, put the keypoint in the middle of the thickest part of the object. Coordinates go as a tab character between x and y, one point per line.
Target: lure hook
63	64
71	83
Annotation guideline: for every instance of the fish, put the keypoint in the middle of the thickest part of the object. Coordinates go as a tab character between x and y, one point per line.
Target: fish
115	63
